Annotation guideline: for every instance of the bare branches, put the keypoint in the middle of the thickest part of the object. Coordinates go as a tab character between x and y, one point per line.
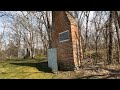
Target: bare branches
32	29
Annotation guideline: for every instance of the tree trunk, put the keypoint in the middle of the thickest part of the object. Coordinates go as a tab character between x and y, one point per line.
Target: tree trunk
86	33
106	42
117	31
49	37
96	44
81	49
110	40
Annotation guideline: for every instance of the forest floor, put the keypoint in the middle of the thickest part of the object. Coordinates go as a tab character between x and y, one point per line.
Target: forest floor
38	69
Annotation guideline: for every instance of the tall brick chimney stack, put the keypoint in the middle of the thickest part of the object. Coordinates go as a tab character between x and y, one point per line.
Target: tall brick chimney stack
65	39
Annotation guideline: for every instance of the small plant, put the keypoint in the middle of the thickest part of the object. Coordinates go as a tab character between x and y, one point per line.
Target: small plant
40	56
97	55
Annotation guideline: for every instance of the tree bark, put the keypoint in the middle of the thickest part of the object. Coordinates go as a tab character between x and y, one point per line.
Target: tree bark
116	20
110	39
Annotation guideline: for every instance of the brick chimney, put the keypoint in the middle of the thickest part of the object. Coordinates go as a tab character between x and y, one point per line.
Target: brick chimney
65	39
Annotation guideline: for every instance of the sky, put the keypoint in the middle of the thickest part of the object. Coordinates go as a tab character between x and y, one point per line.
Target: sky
1	29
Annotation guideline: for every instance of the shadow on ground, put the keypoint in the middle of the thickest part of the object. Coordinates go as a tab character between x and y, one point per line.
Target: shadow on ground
107	76
90	77
41	66
114	74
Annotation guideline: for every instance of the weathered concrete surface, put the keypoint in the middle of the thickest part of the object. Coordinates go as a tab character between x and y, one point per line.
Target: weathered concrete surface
52	59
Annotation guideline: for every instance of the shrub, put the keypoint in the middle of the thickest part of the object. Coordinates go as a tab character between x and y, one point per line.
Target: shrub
97	55
2	56
39	56
115	54
94	55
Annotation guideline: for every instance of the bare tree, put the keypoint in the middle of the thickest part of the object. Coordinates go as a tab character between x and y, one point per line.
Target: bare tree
87	13
1	37
117	27
110	47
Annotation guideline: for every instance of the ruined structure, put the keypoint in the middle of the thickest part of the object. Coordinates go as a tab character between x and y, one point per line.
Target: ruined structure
65	38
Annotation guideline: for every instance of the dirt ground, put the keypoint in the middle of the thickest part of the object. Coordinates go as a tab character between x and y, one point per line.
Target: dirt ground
90	71
96	72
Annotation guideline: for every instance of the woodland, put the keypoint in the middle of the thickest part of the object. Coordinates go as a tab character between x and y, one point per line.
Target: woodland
25	37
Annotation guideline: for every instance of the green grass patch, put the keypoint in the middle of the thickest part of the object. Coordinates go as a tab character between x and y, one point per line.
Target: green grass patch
25	69
35	69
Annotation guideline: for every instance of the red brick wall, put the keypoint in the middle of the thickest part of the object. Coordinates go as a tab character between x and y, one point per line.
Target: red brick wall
66	54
